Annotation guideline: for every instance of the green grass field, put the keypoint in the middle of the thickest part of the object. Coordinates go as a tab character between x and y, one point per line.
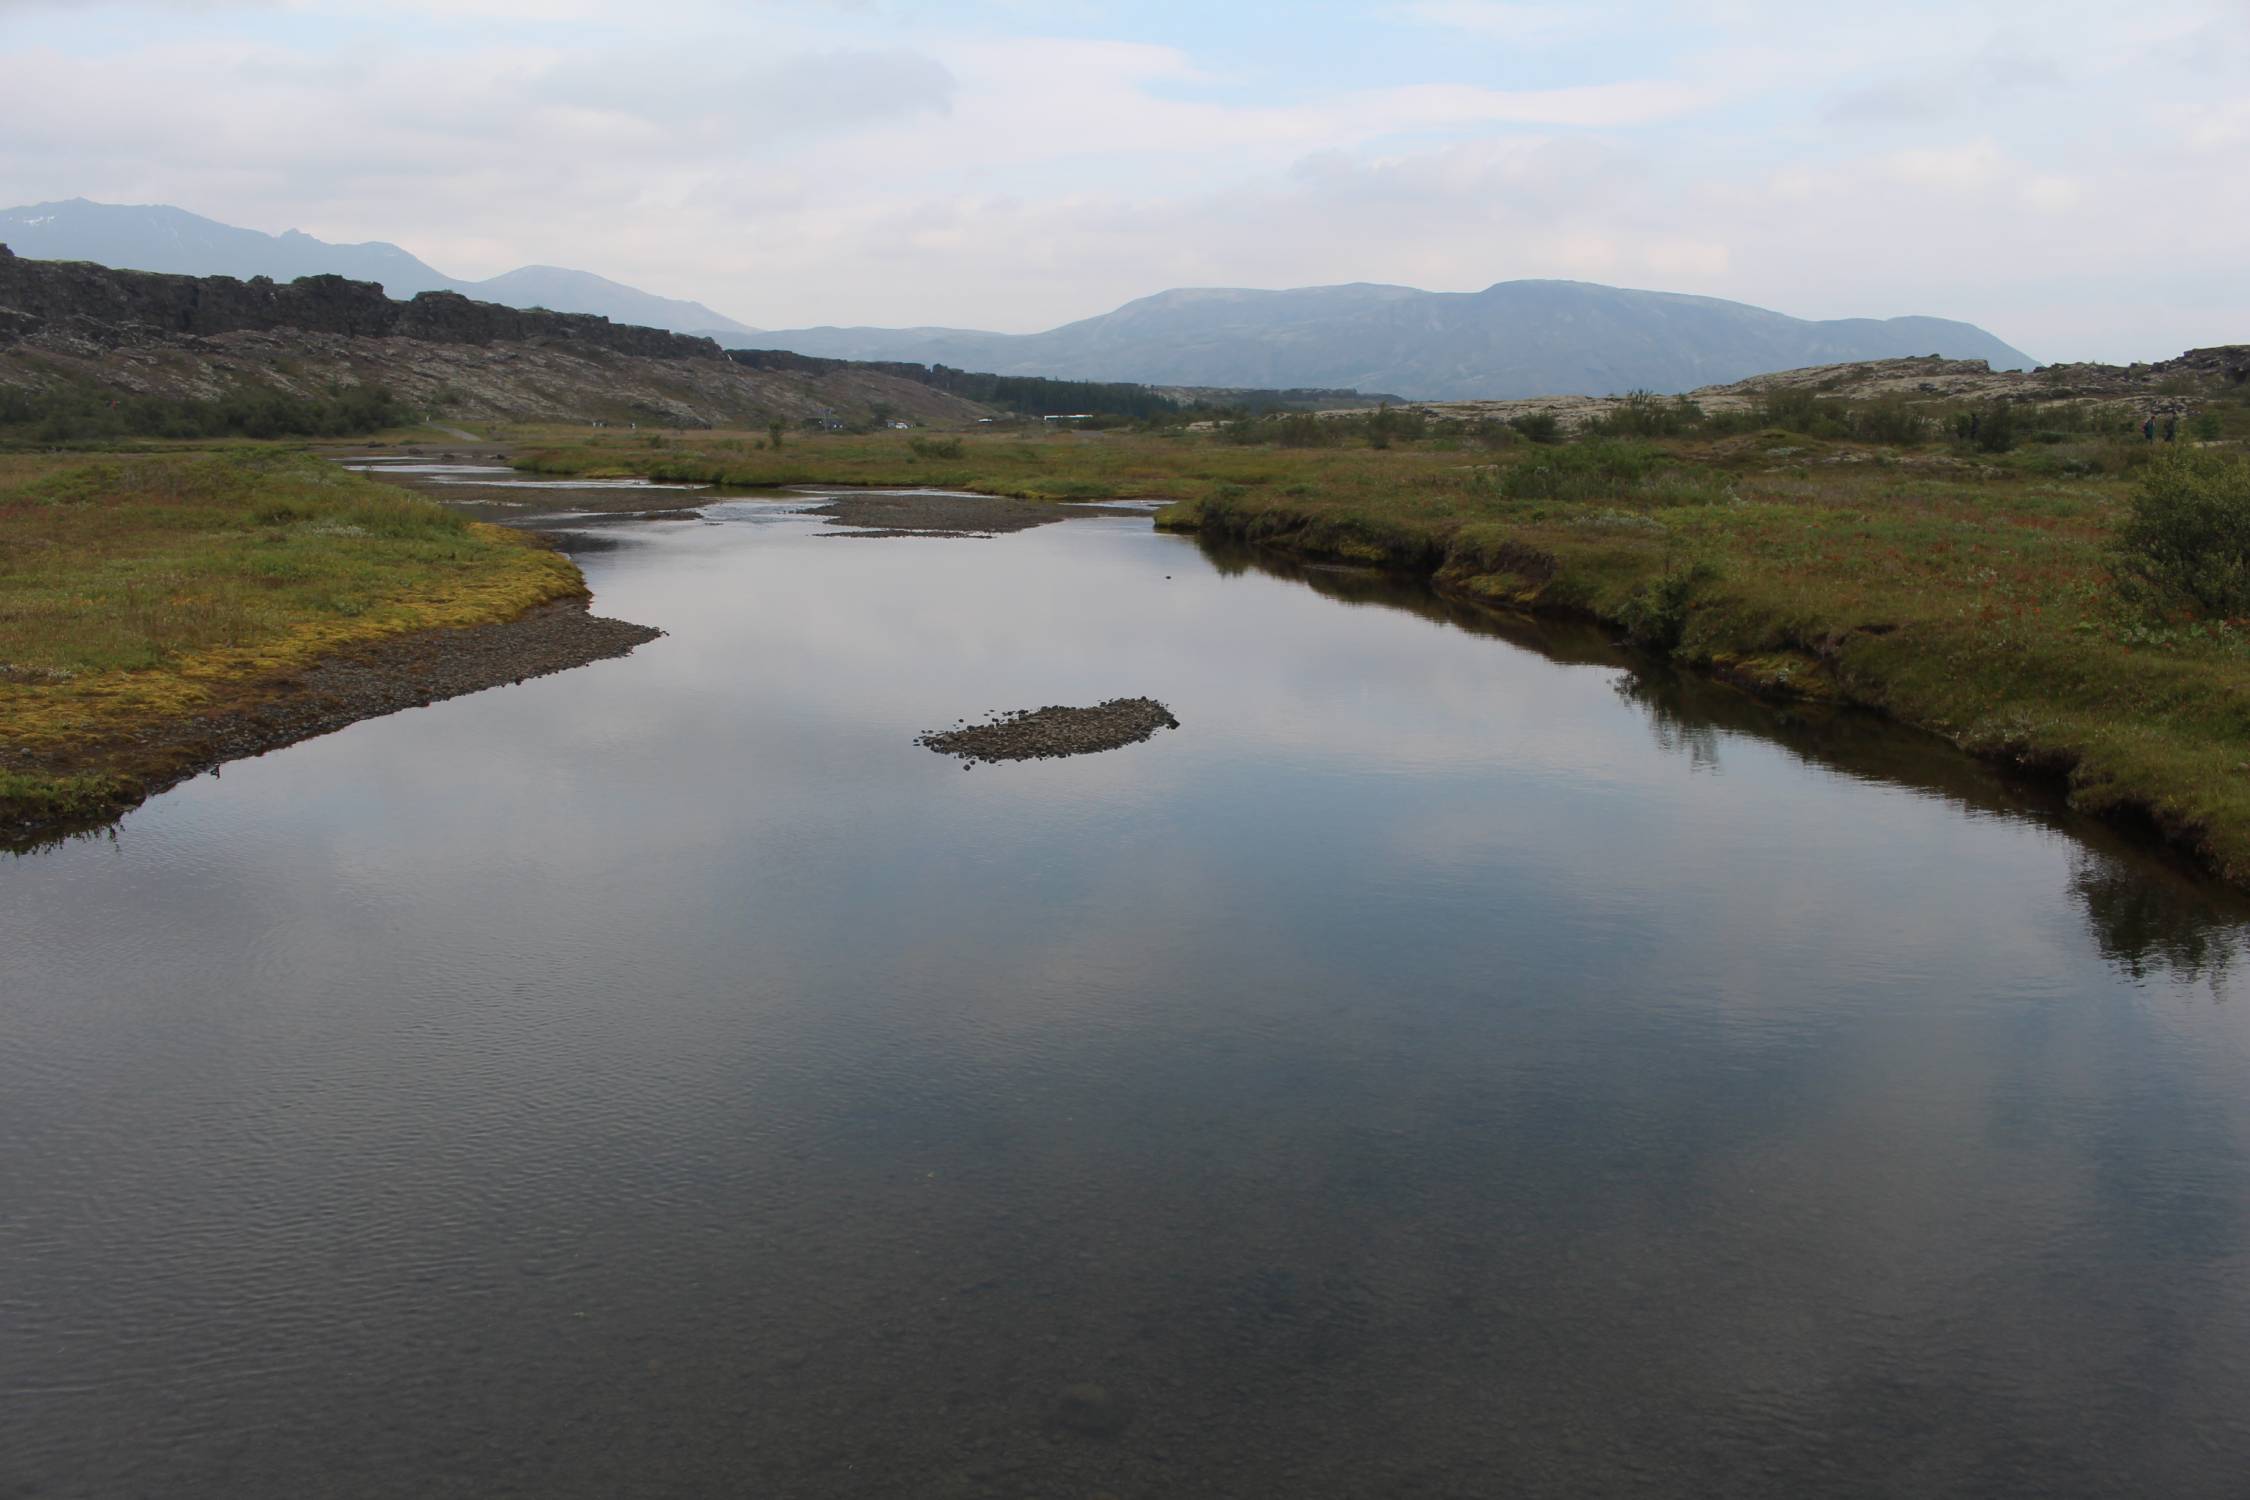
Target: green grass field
135	590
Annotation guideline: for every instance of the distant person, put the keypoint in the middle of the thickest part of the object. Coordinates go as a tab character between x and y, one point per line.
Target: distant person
1976	420
2148	428
2171	428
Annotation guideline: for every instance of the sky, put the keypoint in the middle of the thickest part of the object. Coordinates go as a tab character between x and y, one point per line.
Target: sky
2069	175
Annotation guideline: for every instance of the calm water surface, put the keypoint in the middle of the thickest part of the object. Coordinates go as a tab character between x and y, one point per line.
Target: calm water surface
1442	1067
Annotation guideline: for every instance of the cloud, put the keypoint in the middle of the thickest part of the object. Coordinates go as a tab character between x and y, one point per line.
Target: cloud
815	93
793	163
1507	19
2212	127
1954	169
2051	192
196	8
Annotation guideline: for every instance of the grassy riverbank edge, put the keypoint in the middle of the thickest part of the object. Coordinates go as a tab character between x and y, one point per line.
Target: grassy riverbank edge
167	613
1963	594
2184	790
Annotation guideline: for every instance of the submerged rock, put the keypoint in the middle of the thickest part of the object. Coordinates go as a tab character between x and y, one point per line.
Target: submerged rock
1040	733
1089	1411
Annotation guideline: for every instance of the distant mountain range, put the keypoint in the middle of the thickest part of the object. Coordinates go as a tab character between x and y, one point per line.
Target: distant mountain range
153	237
1513	339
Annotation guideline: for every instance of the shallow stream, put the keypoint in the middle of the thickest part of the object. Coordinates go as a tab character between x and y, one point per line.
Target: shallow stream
1451	1063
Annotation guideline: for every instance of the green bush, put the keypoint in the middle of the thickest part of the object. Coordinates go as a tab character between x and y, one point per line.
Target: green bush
1388	424
1647	415
930	447
1797	409
1997	433
2186	543
1991	428
1539	426
1606	470
1304	429
1889	420
1657	615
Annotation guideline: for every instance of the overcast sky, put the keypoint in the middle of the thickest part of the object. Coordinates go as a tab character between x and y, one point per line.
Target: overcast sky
2070	175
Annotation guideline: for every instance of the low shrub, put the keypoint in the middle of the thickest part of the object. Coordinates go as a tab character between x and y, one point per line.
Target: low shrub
1657	615
1889	420
1304	429
1605	469
82	414
1797	409
1647	415
2185	544
1996	433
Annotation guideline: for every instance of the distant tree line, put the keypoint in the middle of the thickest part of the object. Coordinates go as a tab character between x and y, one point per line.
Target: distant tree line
1232	403
1039	396
1993	426
1028	395
79	414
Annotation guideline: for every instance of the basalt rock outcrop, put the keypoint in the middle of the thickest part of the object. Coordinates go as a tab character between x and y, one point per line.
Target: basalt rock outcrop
84	301
2163	388
69	325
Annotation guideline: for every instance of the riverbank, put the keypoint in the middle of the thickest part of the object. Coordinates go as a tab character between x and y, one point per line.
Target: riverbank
168	613
1966	592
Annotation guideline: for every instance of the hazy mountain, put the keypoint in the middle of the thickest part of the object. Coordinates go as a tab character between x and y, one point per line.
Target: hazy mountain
154	237
1516	338
561	290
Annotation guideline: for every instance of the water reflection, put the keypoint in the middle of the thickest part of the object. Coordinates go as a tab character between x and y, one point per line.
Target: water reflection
1676	731
666	1079
2147	915
2148	920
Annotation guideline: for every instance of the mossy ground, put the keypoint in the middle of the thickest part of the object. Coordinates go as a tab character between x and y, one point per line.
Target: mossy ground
1969	593
143	590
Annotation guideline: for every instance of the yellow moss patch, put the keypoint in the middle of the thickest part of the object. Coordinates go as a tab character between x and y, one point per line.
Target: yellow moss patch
207	574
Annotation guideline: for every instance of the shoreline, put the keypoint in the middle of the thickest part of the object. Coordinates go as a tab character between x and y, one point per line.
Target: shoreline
1764	676
1965	598
178	611
367	681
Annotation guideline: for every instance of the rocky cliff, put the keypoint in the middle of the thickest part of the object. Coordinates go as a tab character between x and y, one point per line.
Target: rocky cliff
65	323
90	301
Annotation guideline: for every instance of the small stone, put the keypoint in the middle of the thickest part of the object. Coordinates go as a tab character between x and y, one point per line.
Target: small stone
1089	1411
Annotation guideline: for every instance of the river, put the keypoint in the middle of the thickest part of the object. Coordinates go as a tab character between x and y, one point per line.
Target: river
1454	1062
